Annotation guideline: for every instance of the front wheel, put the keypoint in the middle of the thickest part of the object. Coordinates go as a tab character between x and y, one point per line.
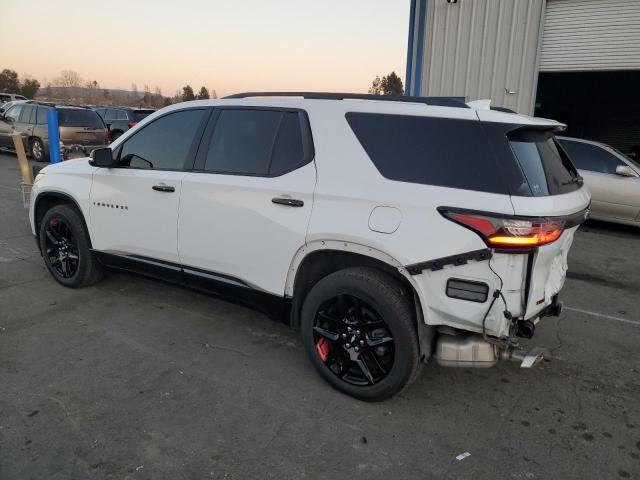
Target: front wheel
358	328
64	242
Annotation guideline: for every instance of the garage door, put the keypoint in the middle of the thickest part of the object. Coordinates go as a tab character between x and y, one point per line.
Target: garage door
591	35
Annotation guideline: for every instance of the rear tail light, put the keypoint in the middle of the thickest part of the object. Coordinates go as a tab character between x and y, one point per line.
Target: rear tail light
106	135
510	232
132	124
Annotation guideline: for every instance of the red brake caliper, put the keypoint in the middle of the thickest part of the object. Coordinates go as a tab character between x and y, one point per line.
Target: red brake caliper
322	347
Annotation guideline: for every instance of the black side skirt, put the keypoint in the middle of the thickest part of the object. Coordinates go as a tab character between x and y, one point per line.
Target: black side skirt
224	286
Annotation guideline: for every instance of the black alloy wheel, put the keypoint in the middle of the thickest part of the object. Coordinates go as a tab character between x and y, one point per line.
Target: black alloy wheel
353	341
61	250
66	247
358	328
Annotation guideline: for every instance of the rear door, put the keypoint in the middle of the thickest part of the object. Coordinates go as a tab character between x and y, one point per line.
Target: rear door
613	196
244	212
134	208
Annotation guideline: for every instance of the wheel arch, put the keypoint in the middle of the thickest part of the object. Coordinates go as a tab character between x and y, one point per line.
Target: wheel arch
318	259
46	200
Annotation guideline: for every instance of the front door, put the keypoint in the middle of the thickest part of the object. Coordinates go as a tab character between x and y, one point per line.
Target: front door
8	125
134	207
245	213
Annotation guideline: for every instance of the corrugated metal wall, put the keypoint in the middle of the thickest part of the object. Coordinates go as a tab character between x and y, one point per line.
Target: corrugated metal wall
591	35
483	49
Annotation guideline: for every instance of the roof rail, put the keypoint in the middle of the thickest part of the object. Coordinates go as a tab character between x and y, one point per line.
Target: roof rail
433	101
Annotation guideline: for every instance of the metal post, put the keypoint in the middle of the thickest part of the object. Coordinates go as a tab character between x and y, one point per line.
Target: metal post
54	135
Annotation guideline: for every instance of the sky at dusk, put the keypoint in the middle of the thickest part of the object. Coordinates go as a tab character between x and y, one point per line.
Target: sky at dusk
229	46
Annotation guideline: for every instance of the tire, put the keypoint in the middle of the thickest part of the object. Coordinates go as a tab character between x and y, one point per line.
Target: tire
60	222
367	291
37	150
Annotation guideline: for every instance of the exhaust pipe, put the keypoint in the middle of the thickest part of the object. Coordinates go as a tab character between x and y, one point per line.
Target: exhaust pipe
472	351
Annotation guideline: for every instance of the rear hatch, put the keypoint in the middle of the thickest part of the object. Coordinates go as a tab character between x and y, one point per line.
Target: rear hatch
81	127
549	202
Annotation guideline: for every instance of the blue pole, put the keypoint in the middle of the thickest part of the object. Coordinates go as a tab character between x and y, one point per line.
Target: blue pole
54	136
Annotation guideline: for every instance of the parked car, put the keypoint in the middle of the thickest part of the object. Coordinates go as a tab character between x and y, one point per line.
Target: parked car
121	119
612	177
389	229
81	129
10	97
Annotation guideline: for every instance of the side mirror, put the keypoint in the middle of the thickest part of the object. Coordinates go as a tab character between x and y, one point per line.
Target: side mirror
102	157
625	171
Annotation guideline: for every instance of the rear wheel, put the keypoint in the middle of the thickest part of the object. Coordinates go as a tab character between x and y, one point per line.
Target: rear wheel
64	242
37	150
358	328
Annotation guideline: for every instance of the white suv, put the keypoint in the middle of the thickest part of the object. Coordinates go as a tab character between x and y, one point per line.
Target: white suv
388	229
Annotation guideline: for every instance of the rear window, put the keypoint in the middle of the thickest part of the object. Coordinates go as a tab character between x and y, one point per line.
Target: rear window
427	150
140	114
546	167
79	118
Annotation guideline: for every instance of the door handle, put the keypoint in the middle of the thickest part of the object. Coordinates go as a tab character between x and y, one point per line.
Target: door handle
162	187
289	202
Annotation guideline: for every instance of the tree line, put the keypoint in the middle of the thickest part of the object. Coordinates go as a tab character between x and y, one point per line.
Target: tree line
10	83
70	87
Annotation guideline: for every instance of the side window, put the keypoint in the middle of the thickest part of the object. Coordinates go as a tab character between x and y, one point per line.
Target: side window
164	143
428	150
13	113
111	114
256	142
41	116
593	158
288	153
25	116
100	111
121	115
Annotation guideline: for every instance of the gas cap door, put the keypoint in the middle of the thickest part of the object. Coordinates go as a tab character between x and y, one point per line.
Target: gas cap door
385	219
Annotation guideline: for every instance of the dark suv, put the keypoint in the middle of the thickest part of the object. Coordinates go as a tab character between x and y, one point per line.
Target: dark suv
121	119
81	129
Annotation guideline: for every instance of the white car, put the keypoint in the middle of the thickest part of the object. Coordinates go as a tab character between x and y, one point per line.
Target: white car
391	230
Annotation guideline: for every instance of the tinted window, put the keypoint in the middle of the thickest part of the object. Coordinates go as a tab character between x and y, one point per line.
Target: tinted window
13	113
164	143
140	114
242	141
433	151
25	116
122	115
101	112
41	116
546	167
68	117
591	157
110	114
288	154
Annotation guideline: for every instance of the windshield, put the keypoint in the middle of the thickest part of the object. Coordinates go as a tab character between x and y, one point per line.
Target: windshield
79	118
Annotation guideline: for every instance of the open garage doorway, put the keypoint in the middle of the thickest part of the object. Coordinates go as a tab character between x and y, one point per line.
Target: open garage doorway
601	106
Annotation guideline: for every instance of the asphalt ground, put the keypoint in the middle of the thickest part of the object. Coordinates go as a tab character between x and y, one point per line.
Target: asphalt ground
137	379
